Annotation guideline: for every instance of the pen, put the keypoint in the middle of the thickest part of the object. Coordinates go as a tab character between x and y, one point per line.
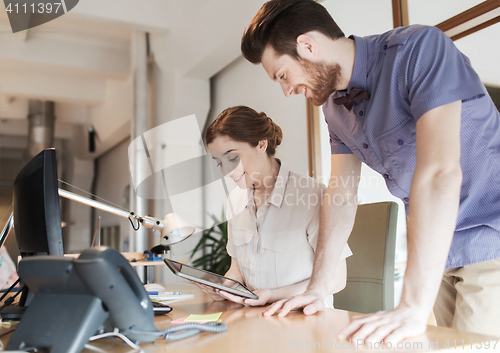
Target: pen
164	293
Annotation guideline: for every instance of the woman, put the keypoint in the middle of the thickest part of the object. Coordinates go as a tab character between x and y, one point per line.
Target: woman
273	215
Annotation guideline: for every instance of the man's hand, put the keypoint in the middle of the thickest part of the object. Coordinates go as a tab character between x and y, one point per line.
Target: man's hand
388	326
310	301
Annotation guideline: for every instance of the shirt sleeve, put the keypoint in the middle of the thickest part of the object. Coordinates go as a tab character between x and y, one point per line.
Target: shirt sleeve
337	146
437	73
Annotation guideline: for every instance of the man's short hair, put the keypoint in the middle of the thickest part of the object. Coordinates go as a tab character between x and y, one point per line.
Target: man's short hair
280	22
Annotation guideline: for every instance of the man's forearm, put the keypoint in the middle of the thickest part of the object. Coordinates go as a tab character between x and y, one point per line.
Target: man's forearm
434	200
338	283
336	222
288	291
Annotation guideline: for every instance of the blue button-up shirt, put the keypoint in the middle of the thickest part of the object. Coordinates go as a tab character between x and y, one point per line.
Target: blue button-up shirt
407	72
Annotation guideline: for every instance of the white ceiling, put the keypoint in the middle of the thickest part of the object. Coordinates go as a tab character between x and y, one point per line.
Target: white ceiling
78	59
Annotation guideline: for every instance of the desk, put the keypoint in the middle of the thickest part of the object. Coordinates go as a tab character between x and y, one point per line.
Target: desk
249	331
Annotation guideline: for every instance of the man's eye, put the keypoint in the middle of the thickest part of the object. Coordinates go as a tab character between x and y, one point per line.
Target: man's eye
219	164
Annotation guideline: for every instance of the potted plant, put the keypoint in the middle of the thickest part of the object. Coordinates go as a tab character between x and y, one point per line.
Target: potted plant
213	244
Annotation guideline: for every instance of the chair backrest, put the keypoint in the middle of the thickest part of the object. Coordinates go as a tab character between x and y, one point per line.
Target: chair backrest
370	270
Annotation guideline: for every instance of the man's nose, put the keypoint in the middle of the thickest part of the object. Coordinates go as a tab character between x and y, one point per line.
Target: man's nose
287	89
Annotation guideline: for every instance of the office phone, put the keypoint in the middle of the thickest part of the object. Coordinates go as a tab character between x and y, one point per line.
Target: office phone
75	298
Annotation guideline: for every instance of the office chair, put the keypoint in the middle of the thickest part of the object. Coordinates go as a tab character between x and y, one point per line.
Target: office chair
370	270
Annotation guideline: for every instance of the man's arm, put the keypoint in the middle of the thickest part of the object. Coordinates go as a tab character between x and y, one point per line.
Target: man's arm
273	295
336	222
434	201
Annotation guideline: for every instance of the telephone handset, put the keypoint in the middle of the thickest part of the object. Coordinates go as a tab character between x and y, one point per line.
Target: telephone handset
73	298
109	276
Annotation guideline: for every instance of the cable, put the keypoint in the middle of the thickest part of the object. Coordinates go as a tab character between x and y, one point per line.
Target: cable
115	333
6	213
10	300
186	330
132	223
10	288
190	329
6	333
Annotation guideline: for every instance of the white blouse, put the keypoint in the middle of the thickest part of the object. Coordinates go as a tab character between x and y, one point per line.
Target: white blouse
275	247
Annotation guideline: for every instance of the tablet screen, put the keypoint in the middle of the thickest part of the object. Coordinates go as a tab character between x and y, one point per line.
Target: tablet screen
210	279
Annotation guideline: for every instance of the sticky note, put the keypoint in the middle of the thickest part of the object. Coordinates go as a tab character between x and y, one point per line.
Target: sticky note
181	321
206	318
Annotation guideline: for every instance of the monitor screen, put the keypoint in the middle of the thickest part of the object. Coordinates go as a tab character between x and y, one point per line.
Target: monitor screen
37	218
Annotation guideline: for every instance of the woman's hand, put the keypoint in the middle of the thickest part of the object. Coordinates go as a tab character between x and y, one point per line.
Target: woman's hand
263	294
213	293
264	298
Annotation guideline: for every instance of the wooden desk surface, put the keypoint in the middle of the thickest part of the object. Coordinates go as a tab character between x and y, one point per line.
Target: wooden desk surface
249	331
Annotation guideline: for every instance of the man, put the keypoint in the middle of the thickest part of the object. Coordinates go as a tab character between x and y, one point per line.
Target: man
408	104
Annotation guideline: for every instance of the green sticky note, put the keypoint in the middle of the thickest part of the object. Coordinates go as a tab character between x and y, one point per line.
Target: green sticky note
205	318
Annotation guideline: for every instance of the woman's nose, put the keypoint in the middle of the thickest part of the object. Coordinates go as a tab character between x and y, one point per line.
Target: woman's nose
227	169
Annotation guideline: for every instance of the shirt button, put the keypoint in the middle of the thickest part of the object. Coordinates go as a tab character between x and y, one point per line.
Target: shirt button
361	113
400	142
365	145
406	199
386	175
385	47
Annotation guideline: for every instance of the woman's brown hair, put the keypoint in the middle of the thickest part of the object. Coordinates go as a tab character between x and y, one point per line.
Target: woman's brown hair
244	124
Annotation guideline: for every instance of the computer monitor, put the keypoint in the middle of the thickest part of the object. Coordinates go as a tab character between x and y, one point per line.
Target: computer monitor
37	217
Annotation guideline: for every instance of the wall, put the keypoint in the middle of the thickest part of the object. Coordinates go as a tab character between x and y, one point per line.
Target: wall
112	183
242	83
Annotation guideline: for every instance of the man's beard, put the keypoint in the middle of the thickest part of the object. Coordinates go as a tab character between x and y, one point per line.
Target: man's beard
323	79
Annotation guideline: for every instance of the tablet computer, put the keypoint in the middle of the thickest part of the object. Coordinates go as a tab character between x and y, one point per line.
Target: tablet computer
210	279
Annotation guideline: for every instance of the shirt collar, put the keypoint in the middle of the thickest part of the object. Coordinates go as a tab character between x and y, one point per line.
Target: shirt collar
358	78
277	195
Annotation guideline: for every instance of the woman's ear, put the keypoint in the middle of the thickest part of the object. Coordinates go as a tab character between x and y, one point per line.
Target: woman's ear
262	146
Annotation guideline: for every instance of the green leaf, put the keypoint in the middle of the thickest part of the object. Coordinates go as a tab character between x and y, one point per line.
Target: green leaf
212	244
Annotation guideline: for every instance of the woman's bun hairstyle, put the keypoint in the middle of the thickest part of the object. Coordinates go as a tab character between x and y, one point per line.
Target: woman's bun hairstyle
244	124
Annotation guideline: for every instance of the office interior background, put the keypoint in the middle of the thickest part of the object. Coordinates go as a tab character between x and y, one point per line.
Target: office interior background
118	68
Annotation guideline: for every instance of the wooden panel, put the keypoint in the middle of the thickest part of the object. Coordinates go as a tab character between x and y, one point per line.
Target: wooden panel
400	13
476	18
476	28
313	140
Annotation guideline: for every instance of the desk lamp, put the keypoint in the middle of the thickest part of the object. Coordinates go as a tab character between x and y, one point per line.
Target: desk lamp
172	227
